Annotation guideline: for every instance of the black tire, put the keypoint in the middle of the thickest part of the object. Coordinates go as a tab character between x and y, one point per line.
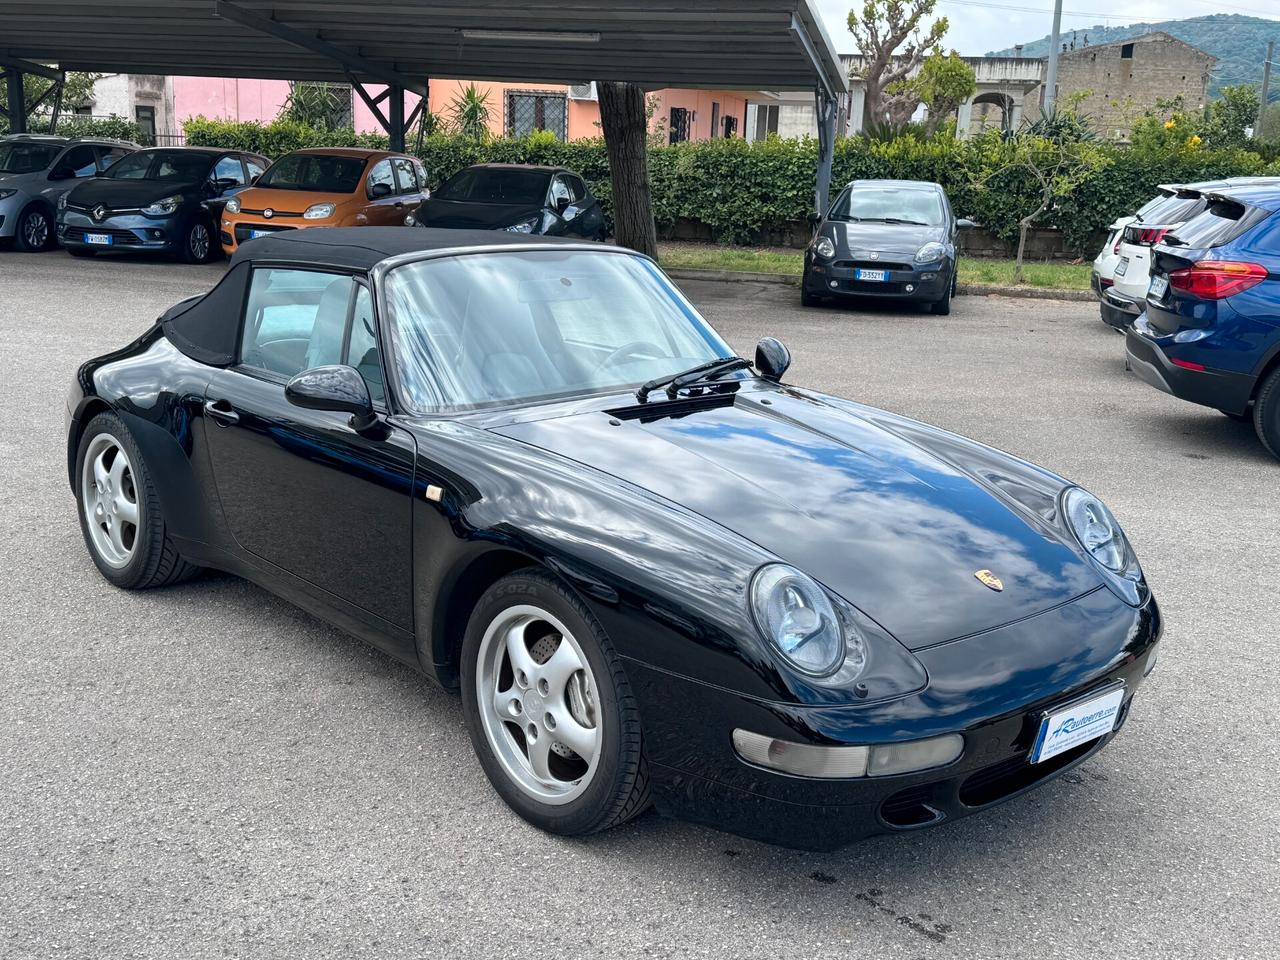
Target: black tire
1266	413
155	561
195	250
619	789
80	251
941	307
34	231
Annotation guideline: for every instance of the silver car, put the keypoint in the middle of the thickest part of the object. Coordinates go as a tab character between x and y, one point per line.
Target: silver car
36	170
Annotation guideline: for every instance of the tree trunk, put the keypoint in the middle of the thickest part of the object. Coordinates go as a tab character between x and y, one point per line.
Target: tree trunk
1023	227
626	129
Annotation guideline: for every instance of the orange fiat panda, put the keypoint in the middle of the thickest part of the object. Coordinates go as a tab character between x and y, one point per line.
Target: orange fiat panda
326	187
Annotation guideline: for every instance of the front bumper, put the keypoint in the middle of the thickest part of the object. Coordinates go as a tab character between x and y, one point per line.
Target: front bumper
924	283
127	231
1074	649
238	228
1220	389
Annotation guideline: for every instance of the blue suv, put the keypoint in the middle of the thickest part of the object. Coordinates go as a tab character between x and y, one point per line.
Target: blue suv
1211	331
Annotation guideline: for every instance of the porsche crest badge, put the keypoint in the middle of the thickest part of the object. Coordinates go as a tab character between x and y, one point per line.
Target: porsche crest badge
989	579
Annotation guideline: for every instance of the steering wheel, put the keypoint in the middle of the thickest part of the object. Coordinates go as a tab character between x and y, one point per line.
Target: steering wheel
629	350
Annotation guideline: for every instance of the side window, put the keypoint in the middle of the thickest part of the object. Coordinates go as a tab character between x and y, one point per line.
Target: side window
381	173
255	168
229	168
577	188
362	351
294	320
406	175
560	192
422	176
109	155
79	161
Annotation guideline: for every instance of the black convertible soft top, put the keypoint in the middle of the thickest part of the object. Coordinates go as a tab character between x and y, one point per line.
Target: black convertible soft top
207	328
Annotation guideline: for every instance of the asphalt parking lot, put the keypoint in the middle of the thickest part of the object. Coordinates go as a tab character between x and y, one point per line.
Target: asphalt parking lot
206	771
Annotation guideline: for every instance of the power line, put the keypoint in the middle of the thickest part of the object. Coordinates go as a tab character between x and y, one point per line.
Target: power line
989	4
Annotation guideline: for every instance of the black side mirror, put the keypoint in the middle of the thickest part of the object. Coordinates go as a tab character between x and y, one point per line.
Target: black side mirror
61	173
562	204
814	219
772	358
380	190
963	224
336	387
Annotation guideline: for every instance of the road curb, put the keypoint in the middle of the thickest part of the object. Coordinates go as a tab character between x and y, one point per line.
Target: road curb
965	289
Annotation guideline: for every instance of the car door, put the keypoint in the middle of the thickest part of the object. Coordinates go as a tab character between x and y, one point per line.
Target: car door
301	491
408	187
589	215
385	208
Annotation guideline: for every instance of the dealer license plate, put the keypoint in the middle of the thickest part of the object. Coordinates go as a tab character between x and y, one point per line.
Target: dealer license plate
877	275
100	238
1122	266
1158	286
1077	723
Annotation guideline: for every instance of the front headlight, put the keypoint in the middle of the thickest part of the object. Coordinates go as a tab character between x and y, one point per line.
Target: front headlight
824	248
410	220
930	252
524	226
319	211
62	198
233	205
1101	537
162	208
797	617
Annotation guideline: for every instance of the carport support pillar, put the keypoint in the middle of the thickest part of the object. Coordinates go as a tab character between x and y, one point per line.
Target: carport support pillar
17	102
826	109
395	118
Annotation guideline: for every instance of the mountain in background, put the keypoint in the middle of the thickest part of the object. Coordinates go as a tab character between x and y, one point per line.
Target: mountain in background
1239	43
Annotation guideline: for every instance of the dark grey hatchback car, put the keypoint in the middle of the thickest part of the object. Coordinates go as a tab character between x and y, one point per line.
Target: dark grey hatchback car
885	238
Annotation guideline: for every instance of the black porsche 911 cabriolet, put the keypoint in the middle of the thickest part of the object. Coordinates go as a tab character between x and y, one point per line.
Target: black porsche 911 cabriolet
530	469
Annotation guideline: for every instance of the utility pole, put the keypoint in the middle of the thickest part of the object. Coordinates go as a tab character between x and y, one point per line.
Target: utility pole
1266	85
1051	75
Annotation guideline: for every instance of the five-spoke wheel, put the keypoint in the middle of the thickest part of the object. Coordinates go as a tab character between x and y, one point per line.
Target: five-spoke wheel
109	498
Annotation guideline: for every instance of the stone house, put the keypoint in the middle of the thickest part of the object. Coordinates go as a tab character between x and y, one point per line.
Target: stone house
1121	80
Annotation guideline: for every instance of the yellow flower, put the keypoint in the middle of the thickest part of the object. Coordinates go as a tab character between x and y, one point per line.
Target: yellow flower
1170	124
1193	141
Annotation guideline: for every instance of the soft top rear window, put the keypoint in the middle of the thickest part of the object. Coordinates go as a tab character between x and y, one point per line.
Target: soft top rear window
1222	222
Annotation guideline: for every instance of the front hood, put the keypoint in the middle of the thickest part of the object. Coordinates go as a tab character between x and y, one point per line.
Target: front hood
874	512
889	240
125	194
285	201
462	215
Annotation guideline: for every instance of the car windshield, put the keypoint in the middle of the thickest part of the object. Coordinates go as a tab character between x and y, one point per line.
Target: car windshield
889	205
493	185
501	327
181	166
318	172
27	157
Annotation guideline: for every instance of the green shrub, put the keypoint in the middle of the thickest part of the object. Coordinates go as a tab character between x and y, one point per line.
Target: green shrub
743	192
113	127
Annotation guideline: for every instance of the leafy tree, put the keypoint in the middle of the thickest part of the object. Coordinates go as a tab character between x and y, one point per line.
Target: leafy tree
943	83
77	91
893	46
468	113
1227	119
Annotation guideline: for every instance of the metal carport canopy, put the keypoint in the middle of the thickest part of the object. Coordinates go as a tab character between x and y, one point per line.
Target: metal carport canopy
718	44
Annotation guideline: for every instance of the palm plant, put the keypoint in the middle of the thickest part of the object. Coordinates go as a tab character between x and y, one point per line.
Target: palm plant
468	113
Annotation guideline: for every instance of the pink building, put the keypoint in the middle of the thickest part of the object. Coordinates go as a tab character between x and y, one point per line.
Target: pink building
571	112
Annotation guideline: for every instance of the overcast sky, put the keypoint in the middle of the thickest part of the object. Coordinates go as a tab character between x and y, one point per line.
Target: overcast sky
977	29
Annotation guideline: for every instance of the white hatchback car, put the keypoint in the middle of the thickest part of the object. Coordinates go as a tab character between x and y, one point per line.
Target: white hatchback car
1104	268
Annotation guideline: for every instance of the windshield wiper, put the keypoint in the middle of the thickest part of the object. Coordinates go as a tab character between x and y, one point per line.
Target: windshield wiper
711	370
914	223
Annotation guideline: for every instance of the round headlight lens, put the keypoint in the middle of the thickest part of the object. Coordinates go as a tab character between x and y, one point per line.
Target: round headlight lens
797	617
930	252
825	248
319	211
1097	530
233	205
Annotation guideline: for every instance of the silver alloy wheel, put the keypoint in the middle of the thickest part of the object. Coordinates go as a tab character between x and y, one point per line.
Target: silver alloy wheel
109	498
35	229
537	700
198	240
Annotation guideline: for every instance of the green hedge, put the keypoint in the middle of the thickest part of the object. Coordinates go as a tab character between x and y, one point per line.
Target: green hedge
744	191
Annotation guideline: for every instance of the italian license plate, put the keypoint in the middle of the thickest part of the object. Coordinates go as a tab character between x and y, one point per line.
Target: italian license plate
1122	266
1158	286
1077	723
103	239
254	234
877	275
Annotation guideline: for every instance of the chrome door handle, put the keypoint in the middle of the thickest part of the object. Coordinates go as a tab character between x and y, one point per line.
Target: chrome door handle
223	414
